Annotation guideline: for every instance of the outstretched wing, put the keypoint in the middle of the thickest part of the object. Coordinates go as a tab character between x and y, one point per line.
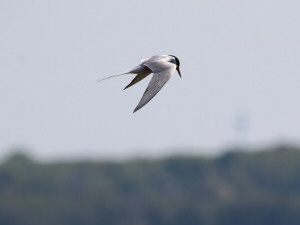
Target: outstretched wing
157	82
141	75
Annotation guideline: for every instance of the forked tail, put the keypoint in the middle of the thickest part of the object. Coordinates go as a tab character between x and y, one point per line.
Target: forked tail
112	76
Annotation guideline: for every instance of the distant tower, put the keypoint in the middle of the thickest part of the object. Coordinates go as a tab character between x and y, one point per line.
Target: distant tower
241	127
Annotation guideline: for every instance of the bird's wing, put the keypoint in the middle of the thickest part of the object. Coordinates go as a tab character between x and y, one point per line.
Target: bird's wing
164	72
141	75
155	58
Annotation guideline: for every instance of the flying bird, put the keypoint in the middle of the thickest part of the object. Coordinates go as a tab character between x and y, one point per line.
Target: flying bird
162	67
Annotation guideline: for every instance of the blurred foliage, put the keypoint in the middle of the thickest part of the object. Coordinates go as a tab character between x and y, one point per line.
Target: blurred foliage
262	187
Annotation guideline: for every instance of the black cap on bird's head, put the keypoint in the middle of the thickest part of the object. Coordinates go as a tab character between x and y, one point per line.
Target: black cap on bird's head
177	62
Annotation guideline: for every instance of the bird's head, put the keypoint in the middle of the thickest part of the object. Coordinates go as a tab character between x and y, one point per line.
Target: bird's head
176	61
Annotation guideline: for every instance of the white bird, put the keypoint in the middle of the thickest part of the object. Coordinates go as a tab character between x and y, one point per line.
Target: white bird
162	67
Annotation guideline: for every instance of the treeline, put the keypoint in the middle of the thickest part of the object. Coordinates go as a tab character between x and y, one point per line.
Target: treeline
258	188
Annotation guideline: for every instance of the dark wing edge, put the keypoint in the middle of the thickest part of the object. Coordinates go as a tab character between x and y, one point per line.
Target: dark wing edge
141	75
157	82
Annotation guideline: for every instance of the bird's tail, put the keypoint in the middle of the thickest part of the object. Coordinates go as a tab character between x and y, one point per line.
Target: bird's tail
113	76
136	70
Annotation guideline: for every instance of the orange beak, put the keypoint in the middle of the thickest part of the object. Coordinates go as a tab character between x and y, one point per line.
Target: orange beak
178	70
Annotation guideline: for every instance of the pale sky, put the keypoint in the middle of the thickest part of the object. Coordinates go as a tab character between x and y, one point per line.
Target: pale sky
240	63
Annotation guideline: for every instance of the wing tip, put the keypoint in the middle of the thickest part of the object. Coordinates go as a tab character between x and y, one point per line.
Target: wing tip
136	109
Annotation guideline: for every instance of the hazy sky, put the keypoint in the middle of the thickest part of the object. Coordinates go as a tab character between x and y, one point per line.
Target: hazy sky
240	64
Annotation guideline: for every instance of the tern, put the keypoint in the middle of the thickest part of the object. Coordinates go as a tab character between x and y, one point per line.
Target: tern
162	67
